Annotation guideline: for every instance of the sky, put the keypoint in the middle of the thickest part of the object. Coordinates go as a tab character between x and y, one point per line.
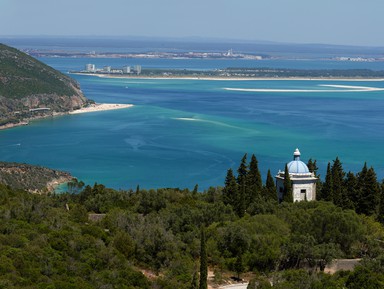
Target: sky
342	22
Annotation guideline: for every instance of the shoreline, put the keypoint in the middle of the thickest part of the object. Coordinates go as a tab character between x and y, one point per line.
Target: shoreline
97	107
225	78
100	107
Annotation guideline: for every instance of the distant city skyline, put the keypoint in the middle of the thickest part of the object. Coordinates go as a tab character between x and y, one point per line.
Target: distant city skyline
342	22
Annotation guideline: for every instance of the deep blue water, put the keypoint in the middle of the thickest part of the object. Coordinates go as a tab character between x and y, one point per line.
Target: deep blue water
185	132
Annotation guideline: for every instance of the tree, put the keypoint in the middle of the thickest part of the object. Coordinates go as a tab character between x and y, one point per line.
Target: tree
337	182
242	173
381	206
288	193
351	192
363	278
254	181
203	261
270	188
369	192
230	190
239	265
327	189
312	167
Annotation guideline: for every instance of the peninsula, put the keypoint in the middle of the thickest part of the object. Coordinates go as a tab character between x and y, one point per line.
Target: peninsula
232	73
30	89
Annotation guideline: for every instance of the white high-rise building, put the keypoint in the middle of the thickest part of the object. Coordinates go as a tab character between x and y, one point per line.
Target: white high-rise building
90	67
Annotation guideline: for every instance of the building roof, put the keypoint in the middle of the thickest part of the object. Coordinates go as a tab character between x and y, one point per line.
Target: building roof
297	166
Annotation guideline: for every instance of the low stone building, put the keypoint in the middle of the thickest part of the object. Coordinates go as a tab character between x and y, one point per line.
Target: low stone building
303	181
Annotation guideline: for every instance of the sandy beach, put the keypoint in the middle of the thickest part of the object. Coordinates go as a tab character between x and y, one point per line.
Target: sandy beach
100	107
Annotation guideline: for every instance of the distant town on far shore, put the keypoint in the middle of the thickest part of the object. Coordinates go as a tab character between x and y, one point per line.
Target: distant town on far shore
91	68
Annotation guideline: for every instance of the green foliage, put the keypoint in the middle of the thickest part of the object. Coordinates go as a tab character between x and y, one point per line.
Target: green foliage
203	262
27	76
49	242
288	193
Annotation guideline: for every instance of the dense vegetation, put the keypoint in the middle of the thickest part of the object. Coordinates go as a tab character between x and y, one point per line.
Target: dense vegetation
26	83
159	238
29	177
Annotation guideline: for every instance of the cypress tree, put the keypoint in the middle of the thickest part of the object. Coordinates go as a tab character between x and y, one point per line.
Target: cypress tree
203	262
240	202
254	181
288	193
338	181
327	189
242	187
230	191
312	167
270	188
380	217
242	171
351	193
369	192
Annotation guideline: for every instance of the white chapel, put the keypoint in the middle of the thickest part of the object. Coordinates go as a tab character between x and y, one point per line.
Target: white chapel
303	181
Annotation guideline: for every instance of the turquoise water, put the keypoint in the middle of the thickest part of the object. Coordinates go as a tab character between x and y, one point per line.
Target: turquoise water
185	132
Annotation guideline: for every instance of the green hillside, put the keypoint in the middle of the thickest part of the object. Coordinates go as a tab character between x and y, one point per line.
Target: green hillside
26	83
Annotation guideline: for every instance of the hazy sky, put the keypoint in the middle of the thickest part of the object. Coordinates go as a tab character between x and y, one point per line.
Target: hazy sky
354	22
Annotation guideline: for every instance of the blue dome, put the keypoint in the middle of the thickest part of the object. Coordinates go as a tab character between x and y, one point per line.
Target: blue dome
297	166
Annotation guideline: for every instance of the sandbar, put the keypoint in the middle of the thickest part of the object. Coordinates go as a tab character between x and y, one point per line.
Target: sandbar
100	107
230	78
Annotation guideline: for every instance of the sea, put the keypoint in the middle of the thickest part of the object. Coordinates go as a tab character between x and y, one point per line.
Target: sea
183	132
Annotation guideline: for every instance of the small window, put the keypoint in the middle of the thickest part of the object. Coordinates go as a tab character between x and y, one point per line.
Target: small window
303	195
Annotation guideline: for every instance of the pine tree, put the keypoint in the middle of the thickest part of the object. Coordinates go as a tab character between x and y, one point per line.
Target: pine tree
288	193
203	262
254	181
327	189
270	188
230	190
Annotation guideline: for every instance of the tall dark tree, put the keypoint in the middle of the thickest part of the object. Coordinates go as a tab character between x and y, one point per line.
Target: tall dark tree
380	217
327	189
242	171
230	190
203	284
270	188
254	181
242	187
312	166
337	182
351	193
288	193
240	204
369	192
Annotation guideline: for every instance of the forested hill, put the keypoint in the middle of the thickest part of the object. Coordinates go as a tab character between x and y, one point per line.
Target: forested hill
26	83
31	178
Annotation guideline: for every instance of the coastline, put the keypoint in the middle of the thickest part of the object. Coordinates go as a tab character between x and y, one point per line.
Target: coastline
90	108
226	78
100	107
